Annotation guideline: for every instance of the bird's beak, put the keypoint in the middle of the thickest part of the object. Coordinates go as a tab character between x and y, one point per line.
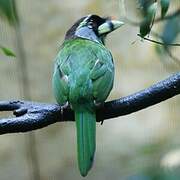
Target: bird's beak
109	26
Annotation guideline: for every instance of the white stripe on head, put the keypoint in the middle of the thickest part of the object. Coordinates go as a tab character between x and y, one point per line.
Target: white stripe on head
84	22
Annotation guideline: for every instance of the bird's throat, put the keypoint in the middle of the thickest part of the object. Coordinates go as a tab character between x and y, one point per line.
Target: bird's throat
87	33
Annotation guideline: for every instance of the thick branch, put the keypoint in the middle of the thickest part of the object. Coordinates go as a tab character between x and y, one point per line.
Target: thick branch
155	94
33	115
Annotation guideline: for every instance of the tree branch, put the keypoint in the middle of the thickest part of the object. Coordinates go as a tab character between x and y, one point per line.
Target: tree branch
158	42
34	115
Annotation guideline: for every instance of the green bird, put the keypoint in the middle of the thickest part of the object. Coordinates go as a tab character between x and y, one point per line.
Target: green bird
83	78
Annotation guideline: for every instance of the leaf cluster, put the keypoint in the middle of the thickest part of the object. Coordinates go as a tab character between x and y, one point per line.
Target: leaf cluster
149	10
8	12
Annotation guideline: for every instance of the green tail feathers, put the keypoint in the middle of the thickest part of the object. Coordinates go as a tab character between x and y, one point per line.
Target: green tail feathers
86	138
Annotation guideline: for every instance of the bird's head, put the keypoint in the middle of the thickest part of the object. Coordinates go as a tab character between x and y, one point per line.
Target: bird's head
93	27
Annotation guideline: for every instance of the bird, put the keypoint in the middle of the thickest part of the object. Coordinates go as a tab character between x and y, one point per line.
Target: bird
83	77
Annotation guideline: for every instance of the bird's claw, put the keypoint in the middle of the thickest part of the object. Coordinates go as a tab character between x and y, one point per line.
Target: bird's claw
64	106
98	106
102	122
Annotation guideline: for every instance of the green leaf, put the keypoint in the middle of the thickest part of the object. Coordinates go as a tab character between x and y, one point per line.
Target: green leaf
8	11
152	10
171	30
145	4
7	51
164	7
145	27
146	24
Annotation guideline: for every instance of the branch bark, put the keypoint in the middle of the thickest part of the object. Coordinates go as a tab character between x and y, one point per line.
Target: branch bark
34	115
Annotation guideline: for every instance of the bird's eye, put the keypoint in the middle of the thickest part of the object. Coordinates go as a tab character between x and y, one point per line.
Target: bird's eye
90	25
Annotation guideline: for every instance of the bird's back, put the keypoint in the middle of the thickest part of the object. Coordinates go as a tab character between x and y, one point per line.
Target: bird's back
83	71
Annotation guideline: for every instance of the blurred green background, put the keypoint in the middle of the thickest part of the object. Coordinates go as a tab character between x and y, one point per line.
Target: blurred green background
140	146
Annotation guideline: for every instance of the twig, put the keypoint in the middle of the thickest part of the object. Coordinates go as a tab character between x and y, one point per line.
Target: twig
158	42
165	46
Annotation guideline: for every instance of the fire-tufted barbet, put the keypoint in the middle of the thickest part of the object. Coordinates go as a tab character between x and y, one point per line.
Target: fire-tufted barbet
83	78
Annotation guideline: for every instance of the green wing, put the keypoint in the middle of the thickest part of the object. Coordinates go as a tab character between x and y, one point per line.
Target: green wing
83	70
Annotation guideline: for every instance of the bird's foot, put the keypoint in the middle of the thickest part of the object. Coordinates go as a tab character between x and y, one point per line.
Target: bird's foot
64	106
102	121
98	106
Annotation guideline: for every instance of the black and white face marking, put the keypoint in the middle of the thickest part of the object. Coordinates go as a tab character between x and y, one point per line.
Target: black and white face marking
111	25
93	27
86	27
92	22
